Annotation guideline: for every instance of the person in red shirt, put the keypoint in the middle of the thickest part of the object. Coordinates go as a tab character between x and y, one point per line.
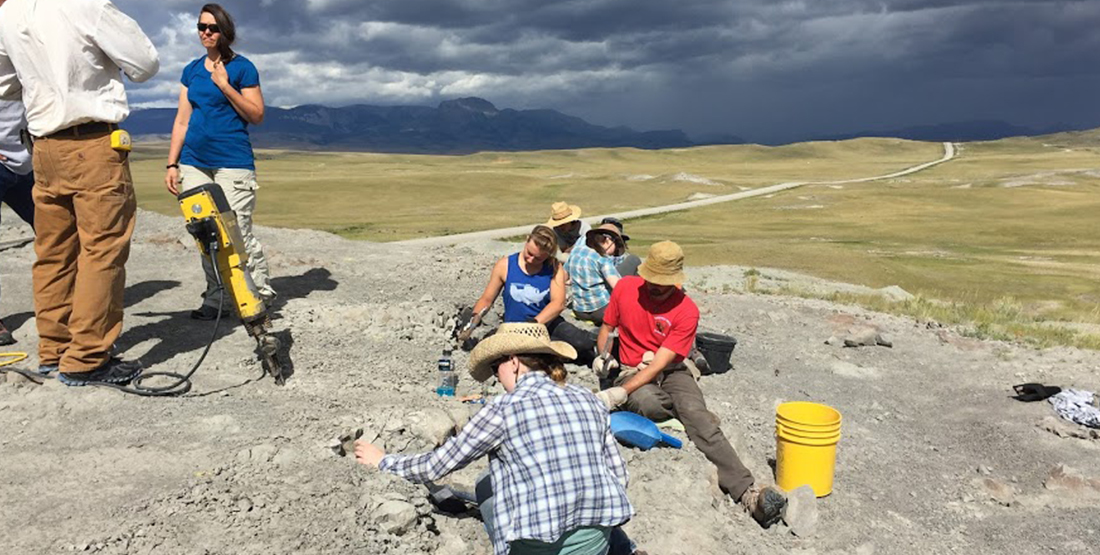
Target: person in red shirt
657	323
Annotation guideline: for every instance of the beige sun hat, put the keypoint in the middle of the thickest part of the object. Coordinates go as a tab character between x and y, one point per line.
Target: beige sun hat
562	213
664	264
515	339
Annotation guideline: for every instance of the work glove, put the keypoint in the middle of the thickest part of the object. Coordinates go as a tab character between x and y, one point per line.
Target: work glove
604	364
612	397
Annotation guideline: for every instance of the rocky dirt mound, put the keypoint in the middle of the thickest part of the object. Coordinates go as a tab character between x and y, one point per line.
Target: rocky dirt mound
934	458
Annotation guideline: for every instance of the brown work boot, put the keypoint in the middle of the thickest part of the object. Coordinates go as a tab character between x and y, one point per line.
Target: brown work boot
765	504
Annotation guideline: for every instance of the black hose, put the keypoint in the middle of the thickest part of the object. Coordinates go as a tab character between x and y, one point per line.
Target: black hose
183	381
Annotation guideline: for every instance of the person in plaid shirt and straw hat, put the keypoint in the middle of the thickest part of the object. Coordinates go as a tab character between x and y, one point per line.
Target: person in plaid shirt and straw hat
657	323
559	482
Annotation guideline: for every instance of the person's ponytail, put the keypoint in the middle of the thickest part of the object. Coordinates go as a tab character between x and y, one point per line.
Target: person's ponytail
548	364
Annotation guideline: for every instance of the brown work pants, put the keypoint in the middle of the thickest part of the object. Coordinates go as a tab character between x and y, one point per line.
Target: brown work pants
84	209
676	394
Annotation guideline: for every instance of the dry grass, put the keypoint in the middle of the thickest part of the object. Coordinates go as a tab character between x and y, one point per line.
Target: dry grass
386	197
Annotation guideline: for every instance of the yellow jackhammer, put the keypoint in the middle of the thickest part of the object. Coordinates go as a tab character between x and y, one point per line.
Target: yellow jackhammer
213	224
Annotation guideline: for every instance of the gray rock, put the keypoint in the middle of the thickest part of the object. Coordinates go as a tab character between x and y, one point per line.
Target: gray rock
395	517
1067	480
833	341
861	337
998	491
801	511
884	341
432	425
895	293
263	452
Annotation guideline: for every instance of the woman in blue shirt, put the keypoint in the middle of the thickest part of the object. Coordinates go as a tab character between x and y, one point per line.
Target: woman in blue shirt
533	284
219	98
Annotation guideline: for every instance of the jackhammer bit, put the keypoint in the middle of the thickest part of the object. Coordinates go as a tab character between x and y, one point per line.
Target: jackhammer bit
267	347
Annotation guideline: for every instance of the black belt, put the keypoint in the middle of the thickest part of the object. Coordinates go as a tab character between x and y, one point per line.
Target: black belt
83	130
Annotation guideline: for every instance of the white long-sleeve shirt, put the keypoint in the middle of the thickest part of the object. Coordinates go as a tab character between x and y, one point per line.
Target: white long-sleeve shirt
65	56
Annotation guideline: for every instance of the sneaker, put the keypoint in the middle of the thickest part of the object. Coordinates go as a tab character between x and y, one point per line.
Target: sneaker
764	504
114	371
5	336
45	369
206	312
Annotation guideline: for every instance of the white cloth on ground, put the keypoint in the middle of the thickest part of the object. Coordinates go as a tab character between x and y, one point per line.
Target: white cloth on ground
1077	406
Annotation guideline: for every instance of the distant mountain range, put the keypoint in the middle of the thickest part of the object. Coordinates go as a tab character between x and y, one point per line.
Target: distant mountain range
455	127
473	124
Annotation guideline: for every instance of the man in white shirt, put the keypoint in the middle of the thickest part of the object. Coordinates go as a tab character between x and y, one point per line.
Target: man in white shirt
16	177
64	58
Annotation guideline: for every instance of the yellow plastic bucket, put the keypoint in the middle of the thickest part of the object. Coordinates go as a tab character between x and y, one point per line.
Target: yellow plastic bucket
806	435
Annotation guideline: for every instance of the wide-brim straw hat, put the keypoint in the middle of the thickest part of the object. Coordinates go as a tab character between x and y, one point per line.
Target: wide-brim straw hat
562	213
515	339
664	264
611	230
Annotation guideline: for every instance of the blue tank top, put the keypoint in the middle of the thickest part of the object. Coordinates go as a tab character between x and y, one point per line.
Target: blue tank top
525	296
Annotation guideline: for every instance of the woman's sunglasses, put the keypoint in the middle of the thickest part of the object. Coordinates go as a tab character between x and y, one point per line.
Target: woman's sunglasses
495	365
213	27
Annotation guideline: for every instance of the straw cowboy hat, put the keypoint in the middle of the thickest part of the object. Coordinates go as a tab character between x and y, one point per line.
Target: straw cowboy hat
612	231
515	339
664	264
562	213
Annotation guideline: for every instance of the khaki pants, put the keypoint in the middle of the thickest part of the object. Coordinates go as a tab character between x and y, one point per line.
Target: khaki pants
84	217
239	186
676	394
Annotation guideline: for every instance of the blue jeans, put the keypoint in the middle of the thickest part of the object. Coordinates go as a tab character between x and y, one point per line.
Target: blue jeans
15	191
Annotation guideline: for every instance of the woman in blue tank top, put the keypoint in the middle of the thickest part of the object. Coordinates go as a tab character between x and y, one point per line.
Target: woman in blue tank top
533	283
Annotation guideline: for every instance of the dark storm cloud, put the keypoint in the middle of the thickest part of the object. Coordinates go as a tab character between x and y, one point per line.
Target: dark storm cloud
769	70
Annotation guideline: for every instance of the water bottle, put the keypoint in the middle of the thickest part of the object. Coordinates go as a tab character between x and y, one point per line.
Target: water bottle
447	377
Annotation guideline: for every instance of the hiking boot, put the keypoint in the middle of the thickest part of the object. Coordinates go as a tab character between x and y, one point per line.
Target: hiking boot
206	312
5	336
45	369
765	504
114	371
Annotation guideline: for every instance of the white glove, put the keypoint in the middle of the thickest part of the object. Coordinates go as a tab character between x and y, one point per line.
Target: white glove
604	364
612	397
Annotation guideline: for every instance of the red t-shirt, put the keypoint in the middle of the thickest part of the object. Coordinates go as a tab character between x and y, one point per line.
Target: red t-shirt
645	325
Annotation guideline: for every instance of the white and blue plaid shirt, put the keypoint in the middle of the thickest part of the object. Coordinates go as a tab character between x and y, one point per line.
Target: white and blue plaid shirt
554	464
588	273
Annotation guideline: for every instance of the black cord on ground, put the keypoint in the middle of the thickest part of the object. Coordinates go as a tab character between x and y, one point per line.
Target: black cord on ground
183	381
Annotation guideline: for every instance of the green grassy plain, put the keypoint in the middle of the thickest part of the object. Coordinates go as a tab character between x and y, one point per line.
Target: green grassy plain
1005	238
1007	233
385	197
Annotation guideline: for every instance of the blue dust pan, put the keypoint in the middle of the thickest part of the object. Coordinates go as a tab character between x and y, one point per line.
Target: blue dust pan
635	430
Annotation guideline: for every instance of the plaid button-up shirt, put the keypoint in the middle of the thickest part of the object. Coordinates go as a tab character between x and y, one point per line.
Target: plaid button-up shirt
554	464
588	273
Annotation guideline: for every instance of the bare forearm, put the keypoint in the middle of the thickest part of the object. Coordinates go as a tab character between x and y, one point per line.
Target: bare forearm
661	360
552	310
644	376
179	133
252	112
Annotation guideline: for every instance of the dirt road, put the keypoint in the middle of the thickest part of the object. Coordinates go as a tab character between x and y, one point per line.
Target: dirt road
502	233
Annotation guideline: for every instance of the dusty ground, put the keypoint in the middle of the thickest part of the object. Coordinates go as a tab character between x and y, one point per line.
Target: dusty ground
935	457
